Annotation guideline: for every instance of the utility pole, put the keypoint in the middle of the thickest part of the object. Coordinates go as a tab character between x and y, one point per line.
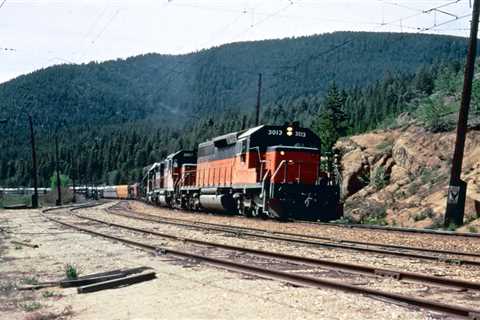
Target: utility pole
457	190
259	95
244	122
59	188
74	175
34	164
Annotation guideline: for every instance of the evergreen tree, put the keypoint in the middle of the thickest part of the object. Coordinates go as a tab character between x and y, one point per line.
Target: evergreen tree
331	123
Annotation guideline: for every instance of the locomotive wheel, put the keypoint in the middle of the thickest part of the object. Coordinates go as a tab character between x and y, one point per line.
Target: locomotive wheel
244	211
241	207
256	212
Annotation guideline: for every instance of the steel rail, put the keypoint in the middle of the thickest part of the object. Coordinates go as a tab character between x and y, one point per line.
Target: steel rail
289	278
378	227
395	229
398	275
366	243
275	236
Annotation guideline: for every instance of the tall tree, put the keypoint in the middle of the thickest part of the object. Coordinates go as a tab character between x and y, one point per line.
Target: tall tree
331	122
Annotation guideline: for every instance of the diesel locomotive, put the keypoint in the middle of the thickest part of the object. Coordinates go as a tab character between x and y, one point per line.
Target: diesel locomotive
268	171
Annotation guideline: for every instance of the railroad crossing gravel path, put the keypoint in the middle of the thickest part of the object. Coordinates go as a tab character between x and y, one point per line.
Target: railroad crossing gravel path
182	290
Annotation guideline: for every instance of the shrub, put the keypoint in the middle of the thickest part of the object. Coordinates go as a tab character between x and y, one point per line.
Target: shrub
427	213
346	219
437	223
472	229
452	227
380	179
376	217
385	146
434	113
71	272
412	188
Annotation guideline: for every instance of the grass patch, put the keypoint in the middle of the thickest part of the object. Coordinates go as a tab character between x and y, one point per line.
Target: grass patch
51	294
67	313
346	219
427	213
472	229
30	280
30	306
380	179
451	227
412	188
10	200
385	146
377	216
71	272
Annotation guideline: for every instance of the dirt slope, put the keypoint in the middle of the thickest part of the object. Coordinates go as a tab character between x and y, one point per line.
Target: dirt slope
400	176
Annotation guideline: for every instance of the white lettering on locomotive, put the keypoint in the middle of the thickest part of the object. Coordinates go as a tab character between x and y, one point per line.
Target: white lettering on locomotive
275	132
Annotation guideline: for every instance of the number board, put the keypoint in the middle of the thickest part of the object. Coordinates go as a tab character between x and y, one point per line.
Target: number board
279	132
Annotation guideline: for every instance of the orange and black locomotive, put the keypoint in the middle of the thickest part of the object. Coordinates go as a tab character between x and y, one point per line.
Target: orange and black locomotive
272	171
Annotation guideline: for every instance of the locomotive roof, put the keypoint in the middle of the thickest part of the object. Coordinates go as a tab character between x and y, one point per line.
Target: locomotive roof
180	153
233	137
250	131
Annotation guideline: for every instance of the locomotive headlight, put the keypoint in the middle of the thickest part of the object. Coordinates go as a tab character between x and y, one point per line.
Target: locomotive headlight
289	131
282	153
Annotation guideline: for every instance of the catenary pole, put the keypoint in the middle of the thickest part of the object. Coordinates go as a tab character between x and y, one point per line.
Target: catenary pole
457	188
34	163
59	187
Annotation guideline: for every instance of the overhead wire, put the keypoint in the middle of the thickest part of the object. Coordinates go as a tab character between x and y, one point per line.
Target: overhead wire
277	71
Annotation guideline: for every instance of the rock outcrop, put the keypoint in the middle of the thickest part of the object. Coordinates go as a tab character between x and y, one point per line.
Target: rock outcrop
400	176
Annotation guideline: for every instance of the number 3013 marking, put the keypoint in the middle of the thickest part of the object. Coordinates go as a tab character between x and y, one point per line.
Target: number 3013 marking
300	134
275	132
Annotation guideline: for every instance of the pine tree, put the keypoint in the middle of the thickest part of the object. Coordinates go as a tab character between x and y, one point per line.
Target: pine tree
331	122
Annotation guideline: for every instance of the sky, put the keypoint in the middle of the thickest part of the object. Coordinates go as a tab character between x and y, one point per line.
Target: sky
35	34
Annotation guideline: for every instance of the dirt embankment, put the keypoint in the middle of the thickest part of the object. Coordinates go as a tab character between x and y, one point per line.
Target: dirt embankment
400	177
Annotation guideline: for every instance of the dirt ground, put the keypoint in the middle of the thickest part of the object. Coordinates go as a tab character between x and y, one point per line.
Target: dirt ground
182	289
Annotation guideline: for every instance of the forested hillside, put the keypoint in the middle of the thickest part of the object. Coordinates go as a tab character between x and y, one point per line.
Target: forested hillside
118	116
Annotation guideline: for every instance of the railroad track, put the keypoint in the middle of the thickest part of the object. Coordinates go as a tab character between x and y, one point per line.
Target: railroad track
370	247
371	227
394	229
250	264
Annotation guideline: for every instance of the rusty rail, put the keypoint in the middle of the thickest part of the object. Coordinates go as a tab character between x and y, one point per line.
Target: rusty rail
310	240
394	229
287	277
399	275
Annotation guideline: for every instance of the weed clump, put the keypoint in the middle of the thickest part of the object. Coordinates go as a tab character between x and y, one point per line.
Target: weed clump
380	178
71	272
377	216
30	306
472	229
30	280
427	213
385	146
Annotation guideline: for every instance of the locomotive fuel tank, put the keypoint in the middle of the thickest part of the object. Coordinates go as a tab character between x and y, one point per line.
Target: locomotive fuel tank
217	202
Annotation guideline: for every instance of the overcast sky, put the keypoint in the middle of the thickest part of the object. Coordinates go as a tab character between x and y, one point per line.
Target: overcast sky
40	33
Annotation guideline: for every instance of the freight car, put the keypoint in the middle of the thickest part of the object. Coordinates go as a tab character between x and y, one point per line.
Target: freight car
119	192
271	171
